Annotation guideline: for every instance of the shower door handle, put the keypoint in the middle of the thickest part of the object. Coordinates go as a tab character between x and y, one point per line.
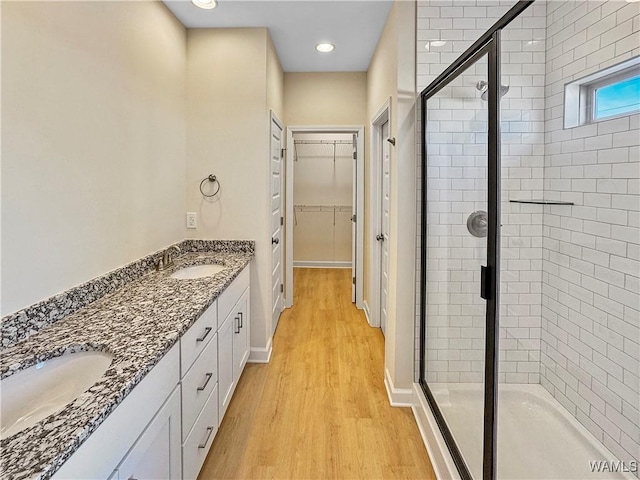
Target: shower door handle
485	281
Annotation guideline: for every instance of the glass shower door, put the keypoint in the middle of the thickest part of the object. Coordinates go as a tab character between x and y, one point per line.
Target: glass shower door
455	225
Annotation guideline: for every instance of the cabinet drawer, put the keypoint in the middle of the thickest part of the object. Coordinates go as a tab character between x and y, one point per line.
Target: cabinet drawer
198	384
198	337
198	443
230	296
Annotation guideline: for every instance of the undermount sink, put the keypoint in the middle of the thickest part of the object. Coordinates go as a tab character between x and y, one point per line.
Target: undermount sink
197	271
32	394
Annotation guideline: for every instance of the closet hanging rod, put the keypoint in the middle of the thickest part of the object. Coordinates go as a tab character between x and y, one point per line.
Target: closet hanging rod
323	208
323	142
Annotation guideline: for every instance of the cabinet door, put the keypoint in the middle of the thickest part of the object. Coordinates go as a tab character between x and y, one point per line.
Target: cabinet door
225	364
157	453
240	335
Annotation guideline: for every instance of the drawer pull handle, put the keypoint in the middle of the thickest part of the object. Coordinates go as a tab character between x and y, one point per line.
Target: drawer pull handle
241	322
204	385
204	444
207	331
238	323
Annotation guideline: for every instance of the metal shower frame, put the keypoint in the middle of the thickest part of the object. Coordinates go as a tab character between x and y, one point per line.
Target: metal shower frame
488	44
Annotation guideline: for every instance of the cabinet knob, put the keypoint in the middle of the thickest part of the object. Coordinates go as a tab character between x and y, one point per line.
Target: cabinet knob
275	240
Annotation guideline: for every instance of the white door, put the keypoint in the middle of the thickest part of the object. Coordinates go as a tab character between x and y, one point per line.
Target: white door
354	209
277	220
383	236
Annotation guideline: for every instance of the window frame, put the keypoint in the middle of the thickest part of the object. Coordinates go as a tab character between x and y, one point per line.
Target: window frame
579	95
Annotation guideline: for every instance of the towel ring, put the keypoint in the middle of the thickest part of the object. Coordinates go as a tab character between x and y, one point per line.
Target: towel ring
212	179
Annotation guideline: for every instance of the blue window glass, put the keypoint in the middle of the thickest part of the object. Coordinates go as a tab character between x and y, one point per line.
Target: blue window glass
617	98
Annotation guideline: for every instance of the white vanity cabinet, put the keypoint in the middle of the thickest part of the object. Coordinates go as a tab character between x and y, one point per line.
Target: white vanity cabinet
233	337
166	425
142	430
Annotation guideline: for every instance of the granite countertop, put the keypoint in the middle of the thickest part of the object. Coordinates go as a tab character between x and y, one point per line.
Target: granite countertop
137	324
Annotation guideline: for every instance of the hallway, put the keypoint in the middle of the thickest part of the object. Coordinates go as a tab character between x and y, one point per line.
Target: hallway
319	409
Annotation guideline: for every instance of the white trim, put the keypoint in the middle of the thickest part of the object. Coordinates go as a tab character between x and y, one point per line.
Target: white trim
320	264
367	312
398	397
439	455
382	115
359	130
261	355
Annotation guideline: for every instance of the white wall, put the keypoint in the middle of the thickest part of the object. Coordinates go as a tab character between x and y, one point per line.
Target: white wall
325	98
392	75
591	285
232	83
93	141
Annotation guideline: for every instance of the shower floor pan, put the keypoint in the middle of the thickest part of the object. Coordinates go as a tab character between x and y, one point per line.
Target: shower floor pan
537	437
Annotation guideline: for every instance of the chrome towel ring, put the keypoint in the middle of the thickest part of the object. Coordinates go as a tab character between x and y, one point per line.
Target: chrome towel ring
214	180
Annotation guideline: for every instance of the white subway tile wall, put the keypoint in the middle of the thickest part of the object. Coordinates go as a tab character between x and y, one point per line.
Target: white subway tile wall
570	274
457	187
590	356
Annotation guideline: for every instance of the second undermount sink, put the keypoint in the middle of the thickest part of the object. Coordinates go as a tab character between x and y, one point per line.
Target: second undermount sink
197	271
32	394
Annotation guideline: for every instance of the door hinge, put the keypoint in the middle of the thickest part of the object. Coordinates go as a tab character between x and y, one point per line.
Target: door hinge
281	288
282	152
281	220
353	218
355	155
353	280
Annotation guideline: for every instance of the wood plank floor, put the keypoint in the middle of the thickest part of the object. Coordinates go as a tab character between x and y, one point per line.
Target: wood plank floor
319	410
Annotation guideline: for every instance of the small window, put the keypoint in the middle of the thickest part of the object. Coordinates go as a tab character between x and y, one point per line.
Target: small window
610	93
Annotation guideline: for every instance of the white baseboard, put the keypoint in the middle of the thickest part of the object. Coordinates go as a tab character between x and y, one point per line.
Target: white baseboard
365	306
261	355
441	460
320	264
398	397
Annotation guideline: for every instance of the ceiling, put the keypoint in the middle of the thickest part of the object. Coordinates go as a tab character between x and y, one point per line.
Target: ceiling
297	26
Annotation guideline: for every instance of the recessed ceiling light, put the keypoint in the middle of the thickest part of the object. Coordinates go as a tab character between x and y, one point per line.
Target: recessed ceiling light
206	4
325	47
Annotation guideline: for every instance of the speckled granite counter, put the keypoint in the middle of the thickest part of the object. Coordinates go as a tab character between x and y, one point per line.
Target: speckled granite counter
137	324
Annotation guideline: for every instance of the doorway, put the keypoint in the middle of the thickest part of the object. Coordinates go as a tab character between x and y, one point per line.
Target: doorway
324	202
